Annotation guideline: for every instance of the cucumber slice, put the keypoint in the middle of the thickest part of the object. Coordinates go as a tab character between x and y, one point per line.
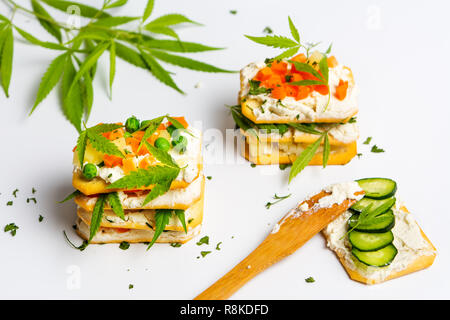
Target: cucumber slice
365	241
381	223
379	258
365	202
378	188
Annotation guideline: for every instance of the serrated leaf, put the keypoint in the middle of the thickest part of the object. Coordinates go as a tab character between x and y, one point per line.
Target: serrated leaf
163	156
113	21
151	127
85	10
50	79
304	67
326	151
170	20
7	59
182	217
159	72
49	23
112	66
116	205
162	30
186	62
97	215
71	196
306	83
288	53
323	66
81	147
304	158
148	9
303	127
274	41
100	143
161	220
45	44
294	30
72	104
145	177
90	61
177	46
130	56
158	190
116	4
87	94
105	127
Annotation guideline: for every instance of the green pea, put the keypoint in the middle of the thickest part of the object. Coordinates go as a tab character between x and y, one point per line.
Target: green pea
90	171
171	129
163	144
132	124
180	144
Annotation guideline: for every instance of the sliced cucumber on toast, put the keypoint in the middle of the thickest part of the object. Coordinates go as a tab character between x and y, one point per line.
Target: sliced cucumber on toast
374	203
378	188
379	258
381	223
364	241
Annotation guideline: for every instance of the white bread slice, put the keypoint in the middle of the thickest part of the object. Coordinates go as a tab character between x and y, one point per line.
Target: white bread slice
408	260
112	235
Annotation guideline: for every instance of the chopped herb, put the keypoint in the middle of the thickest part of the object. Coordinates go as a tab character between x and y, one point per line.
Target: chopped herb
310	280
278	199
15	193
175	245
268	30
253	165
9	203
283	166
288	78
204	240
33	191
359	155
80	247
124	245
109	175
130	286
101	164
31	199
209	177
218	246
233	11
190	220
375	149
255	89
367	140
12	228
204	253
41	218
352	120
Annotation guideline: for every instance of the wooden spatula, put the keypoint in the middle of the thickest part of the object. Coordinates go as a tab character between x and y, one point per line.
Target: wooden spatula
295	229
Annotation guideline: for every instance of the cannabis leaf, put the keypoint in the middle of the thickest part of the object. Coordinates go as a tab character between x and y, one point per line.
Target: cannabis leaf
326	151
181	216
274	41
71	196
85	45
161	220
305	157
97	215
102	144
116	206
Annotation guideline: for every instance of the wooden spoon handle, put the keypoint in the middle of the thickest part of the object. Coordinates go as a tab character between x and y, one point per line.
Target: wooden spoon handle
294	231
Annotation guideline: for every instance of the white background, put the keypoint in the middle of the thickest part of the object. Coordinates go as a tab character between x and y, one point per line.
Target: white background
398	51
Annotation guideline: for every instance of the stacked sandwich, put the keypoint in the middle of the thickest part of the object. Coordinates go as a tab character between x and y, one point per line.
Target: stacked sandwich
139	182
288	105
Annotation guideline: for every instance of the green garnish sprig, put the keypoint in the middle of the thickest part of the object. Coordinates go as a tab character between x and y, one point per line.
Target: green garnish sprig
278	199
81	47
293	45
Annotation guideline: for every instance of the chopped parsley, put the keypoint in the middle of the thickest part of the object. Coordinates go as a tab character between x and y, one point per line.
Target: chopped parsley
130	286
233	11
268	30
15	193
33	191
41	218
218	246
255	88
310	280
190	220
283	166
253	165
367	140
124	245
11	228
204	240
9	203
31	199
205	253
175	245
278	199
209	177
375	149
359	155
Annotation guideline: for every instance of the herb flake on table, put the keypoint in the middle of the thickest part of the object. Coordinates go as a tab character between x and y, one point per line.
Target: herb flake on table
204	240
175	244
11	228
31	199
234	12
205	253
278	199
367	141
218	246
41	218
209	177
375	149
15	193
9	203
268	30
124	245
130	286
310	280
